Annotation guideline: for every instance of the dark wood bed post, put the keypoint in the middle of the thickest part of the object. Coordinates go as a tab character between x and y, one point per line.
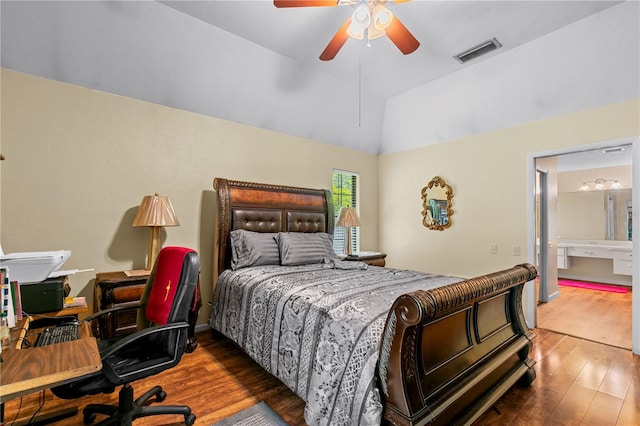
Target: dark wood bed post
221	186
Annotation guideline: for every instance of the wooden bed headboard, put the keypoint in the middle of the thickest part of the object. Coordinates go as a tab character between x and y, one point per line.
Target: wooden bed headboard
262	207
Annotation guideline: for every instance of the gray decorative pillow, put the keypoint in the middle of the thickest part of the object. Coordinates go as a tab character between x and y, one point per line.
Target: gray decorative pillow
301	248
250	248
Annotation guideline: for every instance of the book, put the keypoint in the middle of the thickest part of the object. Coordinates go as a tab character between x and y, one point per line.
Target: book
71	302
7	309
17	299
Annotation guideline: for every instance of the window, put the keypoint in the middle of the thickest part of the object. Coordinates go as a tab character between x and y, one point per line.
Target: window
345	194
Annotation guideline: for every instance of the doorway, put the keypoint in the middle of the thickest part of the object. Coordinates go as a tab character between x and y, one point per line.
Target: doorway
539	173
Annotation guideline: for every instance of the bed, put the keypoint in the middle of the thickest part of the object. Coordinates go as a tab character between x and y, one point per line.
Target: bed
360	344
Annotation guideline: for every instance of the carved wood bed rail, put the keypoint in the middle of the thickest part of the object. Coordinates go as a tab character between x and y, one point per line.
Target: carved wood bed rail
446	354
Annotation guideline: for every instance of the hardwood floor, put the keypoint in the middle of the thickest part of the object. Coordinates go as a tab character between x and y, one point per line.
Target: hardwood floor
600	316
578	382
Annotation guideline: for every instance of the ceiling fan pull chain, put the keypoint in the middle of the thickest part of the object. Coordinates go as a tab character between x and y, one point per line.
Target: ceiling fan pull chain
359	87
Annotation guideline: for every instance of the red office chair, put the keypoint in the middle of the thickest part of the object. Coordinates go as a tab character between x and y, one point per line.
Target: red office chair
157	345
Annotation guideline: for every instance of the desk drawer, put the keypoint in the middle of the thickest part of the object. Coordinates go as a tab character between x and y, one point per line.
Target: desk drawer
590	252
622	267
563	259
119	323
623	255
122	294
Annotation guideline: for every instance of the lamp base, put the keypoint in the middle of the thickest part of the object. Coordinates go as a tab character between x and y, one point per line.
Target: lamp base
347	250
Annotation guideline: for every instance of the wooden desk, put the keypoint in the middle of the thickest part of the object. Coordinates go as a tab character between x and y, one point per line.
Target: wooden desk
64	312
33	369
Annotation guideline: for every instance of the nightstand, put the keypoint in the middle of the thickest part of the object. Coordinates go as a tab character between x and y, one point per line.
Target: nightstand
373	258
116	289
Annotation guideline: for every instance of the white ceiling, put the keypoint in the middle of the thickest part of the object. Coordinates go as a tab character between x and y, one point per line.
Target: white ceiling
617	156
252	63
444	28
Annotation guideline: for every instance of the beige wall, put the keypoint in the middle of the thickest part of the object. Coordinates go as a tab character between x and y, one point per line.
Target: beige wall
79	162
488	174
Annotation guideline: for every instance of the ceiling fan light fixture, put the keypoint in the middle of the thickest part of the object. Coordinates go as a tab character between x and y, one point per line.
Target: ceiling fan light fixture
360	20
369	16
355	32
374	33
361	16
382	17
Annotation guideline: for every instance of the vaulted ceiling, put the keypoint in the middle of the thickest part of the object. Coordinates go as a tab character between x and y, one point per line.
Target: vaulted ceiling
250	62
444	28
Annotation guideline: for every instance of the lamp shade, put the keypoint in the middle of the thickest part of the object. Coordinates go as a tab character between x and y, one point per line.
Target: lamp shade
348	217
156	210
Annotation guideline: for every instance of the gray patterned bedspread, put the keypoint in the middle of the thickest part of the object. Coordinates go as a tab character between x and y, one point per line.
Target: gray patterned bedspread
317	328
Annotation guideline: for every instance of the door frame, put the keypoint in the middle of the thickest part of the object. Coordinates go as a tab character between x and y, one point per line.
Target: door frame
542	246
530	302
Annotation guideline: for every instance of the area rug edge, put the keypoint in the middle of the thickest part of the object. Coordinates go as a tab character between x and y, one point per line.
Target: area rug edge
242	416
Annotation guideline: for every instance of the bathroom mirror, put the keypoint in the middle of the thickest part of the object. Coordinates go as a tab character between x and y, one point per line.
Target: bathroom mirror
437	197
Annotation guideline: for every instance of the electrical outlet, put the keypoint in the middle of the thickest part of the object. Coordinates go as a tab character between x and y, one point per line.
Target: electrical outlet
516	250
493	249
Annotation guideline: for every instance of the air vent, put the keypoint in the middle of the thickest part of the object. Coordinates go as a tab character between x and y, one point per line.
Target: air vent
478	50
616	149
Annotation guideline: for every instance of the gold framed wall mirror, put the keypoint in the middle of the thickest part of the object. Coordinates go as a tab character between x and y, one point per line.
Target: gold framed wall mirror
437	199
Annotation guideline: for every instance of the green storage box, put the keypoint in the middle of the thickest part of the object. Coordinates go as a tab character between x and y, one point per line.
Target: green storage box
45	296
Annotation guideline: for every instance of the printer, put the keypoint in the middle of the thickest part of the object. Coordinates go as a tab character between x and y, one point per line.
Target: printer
31	270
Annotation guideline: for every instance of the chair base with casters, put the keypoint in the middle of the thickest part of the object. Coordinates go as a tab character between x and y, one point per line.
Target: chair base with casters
128	410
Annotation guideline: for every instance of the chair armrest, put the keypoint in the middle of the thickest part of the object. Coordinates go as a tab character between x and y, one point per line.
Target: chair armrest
104	312
132	339
102	316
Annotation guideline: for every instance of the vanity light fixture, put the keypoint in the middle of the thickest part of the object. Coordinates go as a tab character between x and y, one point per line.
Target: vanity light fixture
600	184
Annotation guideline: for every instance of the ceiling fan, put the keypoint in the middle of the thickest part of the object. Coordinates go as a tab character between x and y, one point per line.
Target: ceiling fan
370	18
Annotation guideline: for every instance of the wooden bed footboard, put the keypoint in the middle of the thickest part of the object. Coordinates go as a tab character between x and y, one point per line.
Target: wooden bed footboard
450	353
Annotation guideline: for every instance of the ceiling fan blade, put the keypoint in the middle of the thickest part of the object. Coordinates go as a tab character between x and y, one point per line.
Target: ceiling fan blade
336	42
304	3
401	37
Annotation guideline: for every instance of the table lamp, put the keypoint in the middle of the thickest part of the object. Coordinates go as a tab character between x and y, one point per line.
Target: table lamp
348	217
155	211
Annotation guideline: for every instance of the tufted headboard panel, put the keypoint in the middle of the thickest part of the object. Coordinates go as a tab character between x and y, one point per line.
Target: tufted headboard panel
261	207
